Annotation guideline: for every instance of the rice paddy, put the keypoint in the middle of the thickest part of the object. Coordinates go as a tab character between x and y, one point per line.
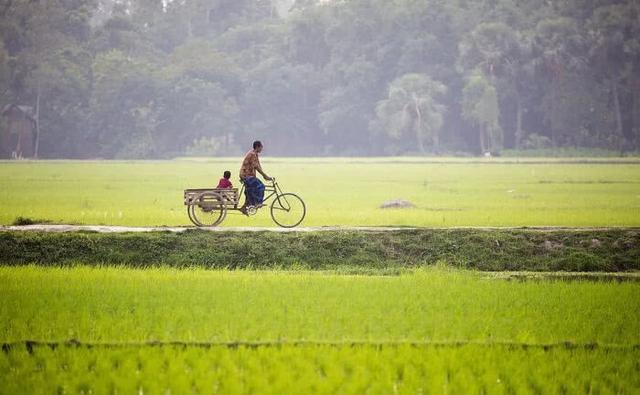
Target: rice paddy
125	305
433	330
336	191
86	313
322	369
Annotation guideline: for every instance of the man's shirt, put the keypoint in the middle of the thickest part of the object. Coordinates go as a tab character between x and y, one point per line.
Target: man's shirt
249	164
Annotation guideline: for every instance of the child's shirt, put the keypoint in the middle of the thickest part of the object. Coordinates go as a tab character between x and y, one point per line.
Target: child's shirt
224	183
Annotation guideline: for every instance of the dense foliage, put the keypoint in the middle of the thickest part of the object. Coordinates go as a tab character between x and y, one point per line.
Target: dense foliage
149	78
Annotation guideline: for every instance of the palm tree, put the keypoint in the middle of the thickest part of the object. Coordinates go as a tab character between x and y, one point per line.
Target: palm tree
411	105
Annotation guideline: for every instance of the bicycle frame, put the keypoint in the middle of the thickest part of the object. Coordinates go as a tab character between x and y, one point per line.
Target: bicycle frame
270	190
209	206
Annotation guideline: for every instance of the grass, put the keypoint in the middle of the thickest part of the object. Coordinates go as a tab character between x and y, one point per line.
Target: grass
447	192
424	331
357	251
20	221
127	305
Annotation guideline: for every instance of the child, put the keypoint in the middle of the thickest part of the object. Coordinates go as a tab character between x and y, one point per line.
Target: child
224	181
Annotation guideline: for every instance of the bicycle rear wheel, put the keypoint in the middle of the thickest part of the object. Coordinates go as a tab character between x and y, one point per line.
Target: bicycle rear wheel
288	210
207	209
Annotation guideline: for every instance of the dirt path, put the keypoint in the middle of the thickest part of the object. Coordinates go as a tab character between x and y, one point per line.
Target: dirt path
178	229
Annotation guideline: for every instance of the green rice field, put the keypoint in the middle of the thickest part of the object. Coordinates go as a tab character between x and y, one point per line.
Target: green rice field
322	369
382	313
121	305
115	330
347	192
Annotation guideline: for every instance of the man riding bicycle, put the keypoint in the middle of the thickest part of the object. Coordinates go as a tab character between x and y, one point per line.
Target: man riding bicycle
253	187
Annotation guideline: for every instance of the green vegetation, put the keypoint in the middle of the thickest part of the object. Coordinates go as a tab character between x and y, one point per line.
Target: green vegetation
320	369
359	251
509	273
112	305
450	192
236	331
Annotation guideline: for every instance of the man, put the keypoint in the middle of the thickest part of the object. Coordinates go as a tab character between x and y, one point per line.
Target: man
253	187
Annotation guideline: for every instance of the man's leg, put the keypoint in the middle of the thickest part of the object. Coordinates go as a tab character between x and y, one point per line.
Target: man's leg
259	197
247	196
252	186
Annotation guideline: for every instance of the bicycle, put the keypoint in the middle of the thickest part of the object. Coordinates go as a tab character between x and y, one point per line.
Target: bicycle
209	206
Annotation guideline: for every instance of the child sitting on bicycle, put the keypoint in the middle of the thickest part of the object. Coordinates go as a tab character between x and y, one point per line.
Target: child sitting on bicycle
224	181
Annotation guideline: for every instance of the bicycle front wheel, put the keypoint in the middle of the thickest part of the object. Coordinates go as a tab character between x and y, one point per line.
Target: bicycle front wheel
288	210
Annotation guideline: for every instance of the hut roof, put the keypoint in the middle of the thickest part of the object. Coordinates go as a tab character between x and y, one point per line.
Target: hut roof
26	110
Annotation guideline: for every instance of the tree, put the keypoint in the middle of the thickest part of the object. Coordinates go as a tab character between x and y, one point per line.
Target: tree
480	107
280	102
191	109
49	66
560	49
504	57
346	105
148	77
412	105
199	96
5	73
614	47
123	109
61	83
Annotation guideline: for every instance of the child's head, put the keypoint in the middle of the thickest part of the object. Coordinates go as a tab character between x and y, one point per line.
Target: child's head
227	174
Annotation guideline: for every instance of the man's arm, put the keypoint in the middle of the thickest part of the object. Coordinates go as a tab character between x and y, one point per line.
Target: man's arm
259	169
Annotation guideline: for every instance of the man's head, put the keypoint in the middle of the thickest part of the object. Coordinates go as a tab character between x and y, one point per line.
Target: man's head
257	146
227	174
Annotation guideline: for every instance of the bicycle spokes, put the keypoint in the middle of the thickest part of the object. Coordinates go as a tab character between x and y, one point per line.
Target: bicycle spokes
288	210
283	204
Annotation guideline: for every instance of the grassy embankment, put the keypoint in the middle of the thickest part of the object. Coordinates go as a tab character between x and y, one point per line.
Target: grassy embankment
155	330
352	251
446	192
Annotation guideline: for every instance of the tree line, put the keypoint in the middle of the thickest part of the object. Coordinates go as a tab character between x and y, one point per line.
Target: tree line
154	78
